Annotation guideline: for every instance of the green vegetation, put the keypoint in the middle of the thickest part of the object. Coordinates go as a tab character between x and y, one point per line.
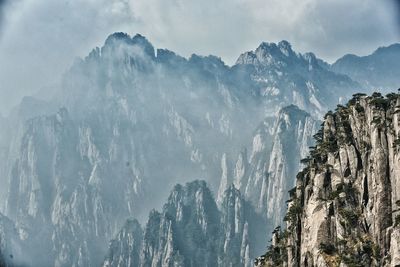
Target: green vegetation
305	160
357	252
294	211
396	142
396	222
334	194
376	120
327	248
350	216
355	248
276	254
329	113
292	191
392	96
359	108
376	95
381	103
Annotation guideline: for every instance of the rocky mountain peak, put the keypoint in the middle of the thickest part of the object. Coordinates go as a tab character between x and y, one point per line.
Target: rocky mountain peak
267	54
125	248
181	236
393	49
122	42
293	112
73	179
381	69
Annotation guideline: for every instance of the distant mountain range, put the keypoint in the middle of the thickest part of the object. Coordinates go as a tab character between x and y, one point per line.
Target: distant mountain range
130	122
379	71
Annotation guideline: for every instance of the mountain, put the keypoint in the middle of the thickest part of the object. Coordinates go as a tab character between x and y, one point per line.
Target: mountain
132	124
286	77
269	172
11	249
344	209
125	248
130	121
380	70
191	231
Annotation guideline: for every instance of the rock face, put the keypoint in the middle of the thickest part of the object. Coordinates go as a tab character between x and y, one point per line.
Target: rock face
11	251
380	70
125	248
345	208
290	78
129	122
76	175
277	147
191	231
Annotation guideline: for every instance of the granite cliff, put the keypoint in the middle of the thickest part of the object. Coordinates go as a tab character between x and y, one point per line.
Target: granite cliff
345	208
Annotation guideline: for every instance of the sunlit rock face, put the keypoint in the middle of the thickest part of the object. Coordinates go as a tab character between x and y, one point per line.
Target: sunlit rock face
273	165
191	231
268	173
131	121
344	210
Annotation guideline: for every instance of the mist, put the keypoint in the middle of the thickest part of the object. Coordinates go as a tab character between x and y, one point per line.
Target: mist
100	121
40	39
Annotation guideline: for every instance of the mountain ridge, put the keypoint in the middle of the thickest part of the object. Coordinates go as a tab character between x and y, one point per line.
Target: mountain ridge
343	210
130	122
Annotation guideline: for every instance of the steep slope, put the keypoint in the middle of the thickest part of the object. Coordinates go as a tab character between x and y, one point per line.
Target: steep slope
130	121
6	228
125	248
267	175
12	130
344	209
286	77
3	158
184	234
191	231
11	249
380	70
241	225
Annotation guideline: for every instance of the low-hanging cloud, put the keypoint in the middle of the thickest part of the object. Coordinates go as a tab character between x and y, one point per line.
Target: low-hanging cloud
41	38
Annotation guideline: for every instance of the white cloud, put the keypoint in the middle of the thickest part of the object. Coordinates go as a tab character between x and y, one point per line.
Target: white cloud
42	37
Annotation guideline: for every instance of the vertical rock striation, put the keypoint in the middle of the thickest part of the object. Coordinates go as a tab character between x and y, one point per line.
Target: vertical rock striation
275	157
191	231
345	208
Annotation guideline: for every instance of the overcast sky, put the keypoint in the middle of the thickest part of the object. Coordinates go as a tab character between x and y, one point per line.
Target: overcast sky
39	39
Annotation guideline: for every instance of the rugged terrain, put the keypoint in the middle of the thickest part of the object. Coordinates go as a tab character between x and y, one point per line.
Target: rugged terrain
345	208
130	122
378	71
192	231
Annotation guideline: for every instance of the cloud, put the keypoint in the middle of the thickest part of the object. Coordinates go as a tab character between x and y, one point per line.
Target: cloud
41	38
330	27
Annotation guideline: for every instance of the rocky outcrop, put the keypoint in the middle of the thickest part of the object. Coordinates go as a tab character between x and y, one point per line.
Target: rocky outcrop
130	121
125	248
76	175
269	172
241	226
286	77
191	231
11	249
344	210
